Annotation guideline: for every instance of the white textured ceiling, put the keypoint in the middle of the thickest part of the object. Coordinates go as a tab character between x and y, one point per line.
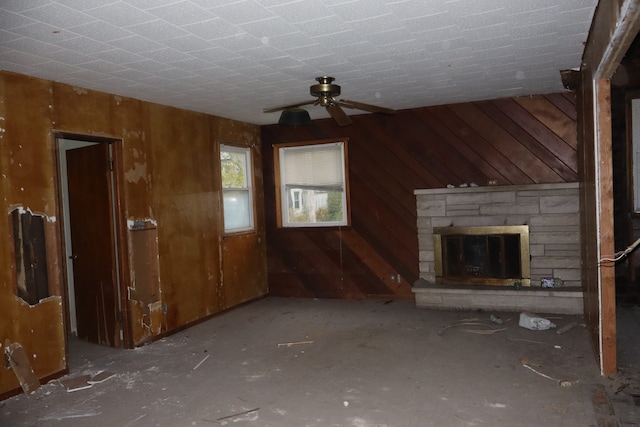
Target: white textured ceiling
232	58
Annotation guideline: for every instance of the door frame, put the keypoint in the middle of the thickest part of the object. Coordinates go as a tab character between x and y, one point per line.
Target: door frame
120	228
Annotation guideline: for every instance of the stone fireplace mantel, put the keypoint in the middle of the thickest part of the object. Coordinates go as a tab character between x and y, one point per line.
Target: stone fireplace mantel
551	212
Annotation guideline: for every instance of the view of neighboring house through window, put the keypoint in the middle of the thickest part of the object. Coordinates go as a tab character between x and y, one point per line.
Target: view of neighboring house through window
237	192
313	187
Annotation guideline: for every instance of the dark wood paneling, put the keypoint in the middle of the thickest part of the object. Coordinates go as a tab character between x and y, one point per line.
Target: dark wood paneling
511	141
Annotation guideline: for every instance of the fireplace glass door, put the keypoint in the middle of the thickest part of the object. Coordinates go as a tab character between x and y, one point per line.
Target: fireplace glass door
495	255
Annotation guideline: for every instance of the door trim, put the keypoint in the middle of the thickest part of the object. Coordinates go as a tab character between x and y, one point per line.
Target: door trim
121	235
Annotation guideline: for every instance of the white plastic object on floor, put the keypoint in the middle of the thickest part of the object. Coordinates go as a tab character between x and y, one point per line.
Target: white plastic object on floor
534	322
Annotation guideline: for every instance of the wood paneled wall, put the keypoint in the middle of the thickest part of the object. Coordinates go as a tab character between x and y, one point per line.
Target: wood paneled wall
168	163
511	141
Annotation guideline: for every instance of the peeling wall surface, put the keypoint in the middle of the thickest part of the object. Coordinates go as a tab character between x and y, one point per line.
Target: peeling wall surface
173	254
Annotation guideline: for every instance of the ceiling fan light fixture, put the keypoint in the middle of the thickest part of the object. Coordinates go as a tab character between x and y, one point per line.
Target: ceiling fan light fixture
325	93
294	117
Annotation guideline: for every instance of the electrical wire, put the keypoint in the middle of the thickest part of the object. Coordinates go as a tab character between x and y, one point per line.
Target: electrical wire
621	254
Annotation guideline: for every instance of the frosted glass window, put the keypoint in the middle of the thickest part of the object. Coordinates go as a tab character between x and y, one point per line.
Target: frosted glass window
313	190
237	192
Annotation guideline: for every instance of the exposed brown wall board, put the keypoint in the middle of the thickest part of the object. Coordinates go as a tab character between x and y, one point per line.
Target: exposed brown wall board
27	161
244	275
82	111
184	205
391	156
27	143
171	179
137	168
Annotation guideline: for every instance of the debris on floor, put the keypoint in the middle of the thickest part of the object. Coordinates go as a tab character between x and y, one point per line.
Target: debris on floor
479	326
76	383
82	382
201	362
534	322
100	377
229	417
566	328
496	319
19	362
289	344
561	383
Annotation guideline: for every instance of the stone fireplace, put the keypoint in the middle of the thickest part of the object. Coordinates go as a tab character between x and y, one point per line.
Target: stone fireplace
524	233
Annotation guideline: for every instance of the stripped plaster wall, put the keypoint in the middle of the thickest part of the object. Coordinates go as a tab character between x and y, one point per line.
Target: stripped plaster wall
169	163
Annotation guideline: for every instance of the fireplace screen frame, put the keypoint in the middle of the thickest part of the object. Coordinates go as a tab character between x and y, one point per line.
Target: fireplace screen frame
525	256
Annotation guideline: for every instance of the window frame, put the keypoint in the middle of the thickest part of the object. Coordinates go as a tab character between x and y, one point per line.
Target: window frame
281	217
249	188
633	146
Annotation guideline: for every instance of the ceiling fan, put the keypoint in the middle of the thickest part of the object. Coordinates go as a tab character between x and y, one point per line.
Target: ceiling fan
326	92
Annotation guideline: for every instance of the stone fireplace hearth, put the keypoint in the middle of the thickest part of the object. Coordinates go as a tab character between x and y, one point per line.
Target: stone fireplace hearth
550	212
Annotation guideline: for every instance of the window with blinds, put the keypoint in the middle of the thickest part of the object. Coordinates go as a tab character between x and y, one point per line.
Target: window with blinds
312	190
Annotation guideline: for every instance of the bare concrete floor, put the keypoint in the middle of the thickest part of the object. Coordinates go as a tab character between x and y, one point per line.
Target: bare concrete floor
289	362
624	388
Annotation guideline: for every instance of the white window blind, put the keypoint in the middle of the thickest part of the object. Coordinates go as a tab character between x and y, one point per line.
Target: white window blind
318	166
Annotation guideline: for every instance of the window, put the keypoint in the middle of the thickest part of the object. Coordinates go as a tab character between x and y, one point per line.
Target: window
237	193
635	158
312	188
296	196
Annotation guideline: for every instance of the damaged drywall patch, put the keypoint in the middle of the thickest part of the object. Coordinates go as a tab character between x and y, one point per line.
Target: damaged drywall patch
22	210
156	311
24	303
141	224
138	172
80	90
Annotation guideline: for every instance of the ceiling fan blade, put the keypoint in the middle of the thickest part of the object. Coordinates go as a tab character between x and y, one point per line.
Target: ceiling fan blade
338	115
286	107
366	107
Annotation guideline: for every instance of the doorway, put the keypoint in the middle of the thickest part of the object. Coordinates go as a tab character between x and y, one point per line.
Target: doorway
89	208
625	120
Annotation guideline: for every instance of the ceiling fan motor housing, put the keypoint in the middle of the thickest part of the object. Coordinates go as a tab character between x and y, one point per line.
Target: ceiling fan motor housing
324	88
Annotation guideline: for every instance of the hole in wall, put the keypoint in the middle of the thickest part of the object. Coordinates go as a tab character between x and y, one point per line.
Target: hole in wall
30	255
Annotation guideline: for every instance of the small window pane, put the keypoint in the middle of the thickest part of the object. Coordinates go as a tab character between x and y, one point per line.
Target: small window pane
237	209
234	169
237	194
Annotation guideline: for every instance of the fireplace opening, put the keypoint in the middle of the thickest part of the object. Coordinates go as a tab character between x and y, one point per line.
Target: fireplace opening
482	255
